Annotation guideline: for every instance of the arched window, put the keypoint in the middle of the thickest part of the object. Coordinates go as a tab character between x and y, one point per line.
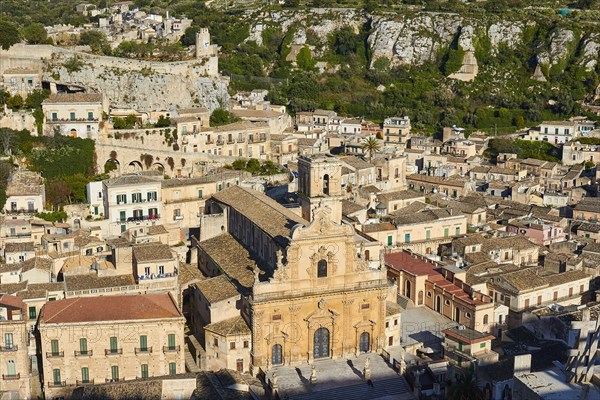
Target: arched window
485	319
326	184
322	269
276	355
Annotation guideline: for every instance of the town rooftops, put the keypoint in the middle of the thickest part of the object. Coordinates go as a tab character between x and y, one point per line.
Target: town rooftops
528	279
92	281
11	301
378	227
268	215
110	308
221	176
74	98
152	252
25	183
400	195
466	335
256	113
217	289
356	162
129	180
232	326
18	247
236	262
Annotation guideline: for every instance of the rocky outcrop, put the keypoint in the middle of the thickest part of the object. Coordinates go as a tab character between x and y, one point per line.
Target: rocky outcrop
590	51
561	41
506	32
412	41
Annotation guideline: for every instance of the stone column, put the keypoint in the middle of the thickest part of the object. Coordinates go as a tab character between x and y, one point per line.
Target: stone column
347	315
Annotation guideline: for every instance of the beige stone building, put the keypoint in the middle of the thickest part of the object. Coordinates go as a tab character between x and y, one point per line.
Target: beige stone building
14	346
25	193
309	290
74	114
109	338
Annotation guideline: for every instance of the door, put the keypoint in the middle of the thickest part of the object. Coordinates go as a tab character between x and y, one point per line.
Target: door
30	206
457	314
276	356
438	304
239	365
321	342
391	341
365	340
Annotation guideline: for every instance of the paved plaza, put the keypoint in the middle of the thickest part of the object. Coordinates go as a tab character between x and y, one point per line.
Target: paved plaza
341	379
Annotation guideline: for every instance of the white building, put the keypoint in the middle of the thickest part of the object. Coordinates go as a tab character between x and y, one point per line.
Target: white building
25	193
73	114
559	132
131	199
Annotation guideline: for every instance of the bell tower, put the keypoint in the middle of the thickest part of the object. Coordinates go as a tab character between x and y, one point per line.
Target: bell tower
320	185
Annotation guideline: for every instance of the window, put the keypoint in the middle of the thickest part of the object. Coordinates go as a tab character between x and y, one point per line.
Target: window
85	375
231	345
136	198
152	196
387	325
485	319
200	193
8	340
11	368
246	344
364	306
90	116
113	344
276	317
144	368
468	314
121	199
215	342
56	376
429	294
171	341
83	349
395	322
220	187
72	116
322	269
32	313
407	238
114	371
54	117
143	343
390	240
427	234
161	270
482	345
457	231
54	347
172	368
446	232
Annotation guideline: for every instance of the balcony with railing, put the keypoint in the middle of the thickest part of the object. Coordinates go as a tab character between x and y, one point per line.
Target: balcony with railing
143	350
56	384
55	354
11	377
86	353
14	211
72	120
171	349
150	277
113	352
86	382
140	218
9	348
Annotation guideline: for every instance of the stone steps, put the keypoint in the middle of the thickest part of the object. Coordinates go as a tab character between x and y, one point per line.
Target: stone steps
404	302
388	389
190	364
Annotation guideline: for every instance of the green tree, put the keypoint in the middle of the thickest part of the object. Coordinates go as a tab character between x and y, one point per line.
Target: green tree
371	145
304	59
344	41
35	33
466	389
253	166
163	122
15	102
453	60
96	40
221	117
9	34
35	98
239	164
189	36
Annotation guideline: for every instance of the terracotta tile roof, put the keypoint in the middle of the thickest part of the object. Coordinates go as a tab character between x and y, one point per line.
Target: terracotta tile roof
533	278
189	274
268	215
130	180
74	98
509	242
356	162
349	207
9	300
241	125
217	289
42	263
25	183
152	252
13	288
157	230
232	326
400	195
18	247
392	308
110	308
378	227
467	335
42	290
217	177
92	281
233	259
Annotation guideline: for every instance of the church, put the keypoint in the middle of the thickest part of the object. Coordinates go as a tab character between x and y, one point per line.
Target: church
307	285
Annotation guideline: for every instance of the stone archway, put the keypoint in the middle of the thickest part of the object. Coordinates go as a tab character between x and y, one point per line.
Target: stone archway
158	167
112	164
135	166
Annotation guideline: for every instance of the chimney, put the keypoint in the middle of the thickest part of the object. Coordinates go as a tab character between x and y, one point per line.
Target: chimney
522	364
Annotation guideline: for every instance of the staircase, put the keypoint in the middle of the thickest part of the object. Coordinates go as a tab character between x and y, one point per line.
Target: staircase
388	389
190	364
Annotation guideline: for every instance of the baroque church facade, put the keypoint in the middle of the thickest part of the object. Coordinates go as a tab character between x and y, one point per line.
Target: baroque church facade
310	286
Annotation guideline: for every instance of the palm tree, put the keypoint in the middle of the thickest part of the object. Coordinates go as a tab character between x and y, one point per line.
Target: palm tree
466	388
371	145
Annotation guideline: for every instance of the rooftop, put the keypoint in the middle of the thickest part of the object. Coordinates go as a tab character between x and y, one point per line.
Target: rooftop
110	308
232	326
467	335
217	289
152	252
129	180
74	98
